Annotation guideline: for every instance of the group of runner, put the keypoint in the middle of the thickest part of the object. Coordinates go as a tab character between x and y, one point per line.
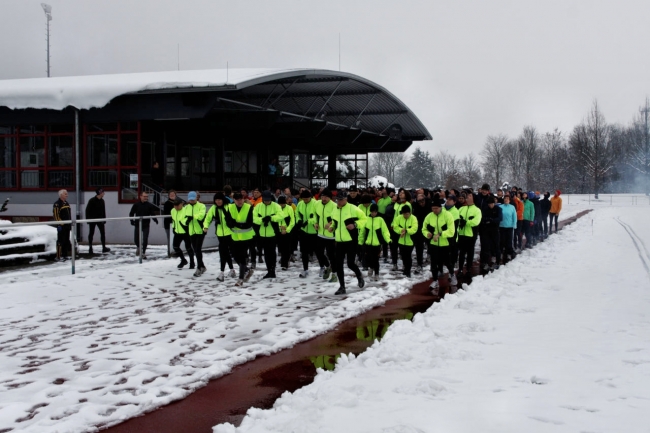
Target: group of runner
358	228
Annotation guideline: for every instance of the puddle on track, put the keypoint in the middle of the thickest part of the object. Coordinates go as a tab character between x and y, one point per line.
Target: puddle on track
260	382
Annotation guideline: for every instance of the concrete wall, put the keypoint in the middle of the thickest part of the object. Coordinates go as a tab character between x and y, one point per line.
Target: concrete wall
39	204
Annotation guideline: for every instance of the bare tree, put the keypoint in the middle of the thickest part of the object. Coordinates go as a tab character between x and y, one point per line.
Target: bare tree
514	163
470	171
444	163
528	146
599	154
555	158
494	161
387	164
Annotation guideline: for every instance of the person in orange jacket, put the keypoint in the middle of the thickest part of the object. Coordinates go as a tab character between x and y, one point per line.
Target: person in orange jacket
556	208
515	200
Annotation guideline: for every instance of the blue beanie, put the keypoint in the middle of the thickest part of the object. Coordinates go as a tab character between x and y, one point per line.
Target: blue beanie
191	195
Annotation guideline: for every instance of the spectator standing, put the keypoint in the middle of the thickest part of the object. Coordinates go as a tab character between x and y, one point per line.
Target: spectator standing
507	227
62	212
554	212
529	219
490	222
96	209
142	208
545	205
167	210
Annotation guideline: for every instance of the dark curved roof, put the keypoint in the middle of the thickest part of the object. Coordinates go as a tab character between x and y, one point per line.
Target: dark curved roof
340	99
324	106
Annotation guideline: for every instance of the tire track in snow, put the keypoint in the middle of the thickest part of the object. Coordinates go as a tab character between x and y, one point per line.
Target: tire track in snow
638	244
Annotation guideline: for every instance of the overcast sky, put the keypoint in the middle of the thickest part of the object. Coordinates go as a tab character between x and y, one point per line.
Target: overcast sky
467	68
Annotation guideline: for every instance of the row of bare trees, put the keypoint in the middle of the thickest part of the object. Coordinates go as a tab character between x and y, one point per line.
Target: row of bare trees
594	157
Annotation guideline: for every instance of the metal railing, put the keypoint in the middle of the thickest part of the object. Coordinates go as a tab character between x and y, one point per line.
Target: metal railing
73	231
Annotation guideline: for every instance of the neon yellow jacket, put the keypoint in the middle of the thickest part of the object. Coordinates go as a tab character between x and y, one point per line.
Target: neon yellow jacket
324	216
271	228
220	226
472	217
410	225
342	216
242	229
179	221
373	231
306	216
197	212
398	207
441	225
288	217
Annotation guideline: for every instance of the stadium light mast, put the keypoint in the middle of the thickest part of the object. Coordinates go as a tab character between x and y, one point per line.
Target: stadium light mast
48	15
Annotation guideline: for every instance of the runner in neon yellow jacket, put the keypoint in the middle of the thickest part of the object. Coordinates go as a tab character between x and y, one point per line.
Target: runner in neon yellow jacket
346	220
469	218
286	226
405	225
268	215
439	228
325	244
373	235
223	232
195	211
179	225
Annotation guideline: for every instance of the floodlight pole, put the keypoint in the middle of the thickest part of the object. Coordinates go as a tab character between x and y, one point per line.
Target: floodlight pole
48	17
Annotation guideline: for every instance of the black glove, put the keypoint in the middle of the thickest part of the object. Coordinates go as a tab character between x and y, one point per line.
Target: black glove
462	223
133	222
287	221
266	219
189	218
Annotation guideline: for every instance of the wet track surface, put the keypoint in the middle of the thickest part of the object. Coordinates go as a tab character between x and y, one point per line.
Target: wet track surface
260	382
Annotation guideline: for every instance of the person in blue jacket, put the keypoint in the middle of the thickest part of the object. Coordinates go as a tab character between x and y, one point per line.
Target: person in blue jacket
507	226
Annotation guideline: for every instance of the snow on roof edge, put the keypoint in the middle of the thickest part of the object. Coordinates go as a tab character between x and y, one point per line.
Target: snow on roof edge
95	91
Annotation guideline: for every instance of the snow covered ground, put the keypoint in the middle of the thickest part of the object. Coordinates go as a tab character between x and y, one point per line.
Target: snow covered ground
558	340
118	338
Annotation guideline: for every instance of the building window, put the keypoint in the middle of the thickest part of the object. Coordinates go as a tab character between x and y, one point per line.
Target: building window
36	157
112	156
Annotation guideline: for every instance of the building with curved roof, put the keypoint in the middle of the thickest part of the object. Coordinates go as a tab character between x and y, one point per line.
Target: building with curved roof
243	127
